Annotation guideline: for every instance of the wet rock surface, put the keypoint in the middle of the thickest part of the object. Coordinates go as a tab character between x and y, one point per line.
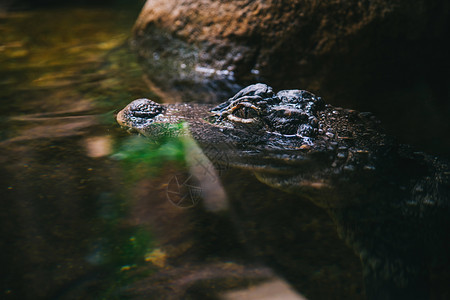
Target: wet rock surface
276	39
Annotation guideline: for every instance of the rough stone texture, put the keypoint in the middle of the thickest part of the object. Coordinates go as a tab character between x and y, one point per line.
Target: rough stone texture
372	55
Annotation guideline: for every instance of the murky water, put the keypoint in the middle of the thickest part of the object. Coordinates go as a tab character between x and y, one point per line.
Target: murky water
63	199
90	212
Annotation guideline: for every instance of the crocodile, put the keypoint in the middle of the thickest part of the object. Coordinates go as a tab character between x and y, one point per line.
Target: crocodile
389	203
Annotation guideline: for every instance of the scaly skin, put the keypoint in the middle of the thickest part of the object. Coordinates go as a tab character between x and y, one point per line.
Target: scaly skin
389	203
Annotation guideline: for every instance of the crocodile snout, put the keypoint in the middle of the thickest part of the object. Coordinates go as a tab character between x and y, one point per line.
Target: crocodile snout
139	113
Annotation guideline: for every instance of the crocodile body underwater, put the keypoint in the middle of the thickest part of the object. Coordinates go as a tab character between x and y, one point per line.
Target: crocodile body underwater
390	203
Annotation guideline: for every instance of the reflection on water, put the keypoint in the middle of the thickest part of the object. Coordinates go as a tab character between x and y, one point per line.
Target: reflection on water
98	146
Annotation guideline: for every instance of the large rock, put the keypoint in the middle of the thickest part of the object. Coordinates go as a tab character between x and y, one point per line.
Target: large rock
383	56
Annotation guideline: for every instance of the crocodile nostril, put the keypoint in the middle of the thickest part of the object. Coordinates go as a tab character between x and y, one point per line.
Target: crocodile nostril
145	108
145	114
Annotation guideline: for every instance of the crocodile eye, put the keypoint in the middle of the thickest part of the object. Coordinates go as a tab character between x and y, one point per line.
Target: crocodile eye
244	112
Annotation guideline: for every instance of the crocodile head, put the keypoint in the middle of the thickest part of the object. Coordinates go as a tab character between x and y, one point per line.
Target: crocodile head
292	133
255	119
